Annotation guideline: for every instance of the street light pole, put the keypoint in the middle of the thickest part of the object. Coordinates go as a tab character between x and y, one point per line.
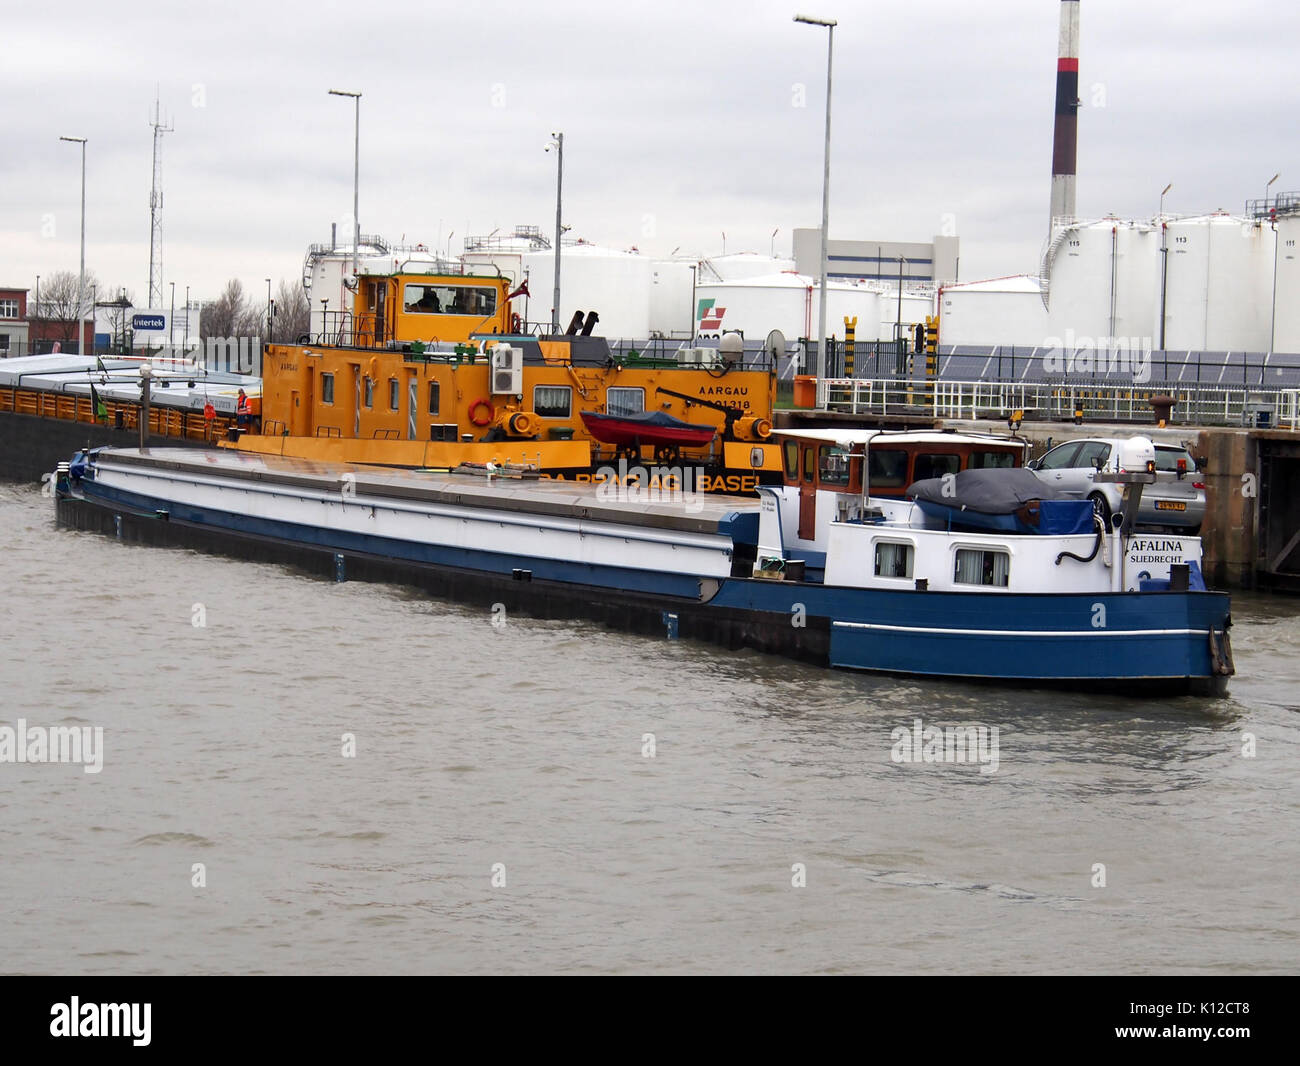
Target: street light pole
356	177
559	225
81	277
830	25
270	325
171	324
186	342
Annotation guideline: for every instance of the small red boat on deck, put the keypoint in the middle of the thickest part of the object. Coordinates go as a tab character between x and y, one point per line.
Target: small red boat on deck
654	428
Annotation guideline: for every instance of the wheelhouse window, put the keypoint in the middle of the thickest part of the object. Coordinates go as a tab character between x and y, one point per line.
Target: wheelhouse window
982	567
832	465
928	466
449	300
394	393
553	401
893	559
369	392
624	401
790	451
888	468
992	460
810	466
434	397
327	388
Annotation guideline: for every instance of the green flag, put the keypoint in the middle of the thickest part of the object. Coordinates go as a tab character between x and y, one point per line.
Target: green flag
101	412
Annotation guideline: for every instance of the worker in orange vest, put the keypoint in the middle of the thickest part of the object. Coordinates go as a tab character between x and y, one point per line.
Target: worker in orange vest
243	412
209	416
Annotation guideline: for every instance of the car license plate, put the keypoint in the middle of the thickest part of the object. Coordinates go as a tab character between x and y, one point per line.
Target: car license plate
1170	505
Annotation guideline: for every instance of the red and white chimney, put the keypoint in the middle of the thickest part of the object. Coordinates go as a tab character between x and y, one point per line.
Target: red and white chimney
1065	136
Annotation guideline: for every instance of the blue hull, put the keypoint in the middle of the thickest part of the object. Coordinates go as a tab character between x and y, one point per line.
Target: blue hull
1160	640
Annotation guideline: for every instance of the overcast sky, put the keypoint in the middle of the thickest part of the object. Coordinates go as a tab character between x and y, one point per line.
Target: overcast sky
680	124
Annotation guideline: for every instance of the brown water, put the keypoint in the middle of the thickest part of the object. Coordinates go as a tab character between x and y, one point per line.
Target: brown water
523	745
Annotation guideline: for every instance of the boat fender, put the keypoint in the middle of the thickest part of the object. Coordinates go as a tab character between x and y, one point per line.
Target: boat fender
474	417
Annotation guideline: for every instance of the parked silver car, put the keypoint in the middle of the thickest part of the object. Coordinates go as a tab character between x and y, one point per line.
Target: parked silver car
1175	501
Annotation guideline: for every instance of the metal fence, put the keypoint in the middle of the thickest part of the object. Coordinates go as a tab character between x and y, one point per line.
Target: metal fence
1210	405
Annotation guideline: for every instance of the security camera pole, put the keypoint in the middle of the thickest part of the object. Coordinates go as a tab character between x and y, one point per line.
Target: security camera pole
559	230
356	177
830	25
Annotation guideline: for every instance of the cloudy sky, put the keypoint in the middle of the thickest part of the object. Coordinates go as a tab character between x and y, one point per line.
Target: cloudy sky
682	122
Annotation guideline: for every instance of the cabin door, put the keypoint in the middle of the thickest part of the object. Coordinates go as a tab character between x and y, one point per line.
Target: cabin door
381	312
412	402
356	409
808	492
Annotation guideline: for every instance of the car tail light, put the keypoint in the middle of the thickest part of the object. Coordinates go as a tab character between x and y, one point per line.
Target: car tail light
1199	485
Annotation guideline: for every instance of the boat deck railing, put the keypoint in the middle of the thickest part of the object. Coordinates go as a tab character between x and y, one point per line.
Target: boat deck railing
1208	405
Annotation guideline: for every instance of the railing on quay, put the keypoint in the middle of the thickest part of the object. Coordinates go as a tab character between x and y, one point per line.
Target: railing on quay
1209	405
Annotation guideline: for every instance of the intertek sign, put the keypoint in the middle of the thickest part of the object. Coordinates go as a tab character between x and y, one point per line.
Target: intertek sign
149	322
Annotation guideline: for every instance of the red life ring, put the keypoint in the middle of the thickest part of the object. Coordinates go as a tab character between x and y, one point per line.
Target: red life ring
516	323
486	418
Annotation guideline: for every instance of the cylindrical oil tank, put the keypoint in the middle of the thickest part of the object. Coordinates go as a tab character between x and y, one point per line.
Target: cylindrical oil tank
1103	283
614	284
1219	284
788	302
671	295
1000	311
1285	296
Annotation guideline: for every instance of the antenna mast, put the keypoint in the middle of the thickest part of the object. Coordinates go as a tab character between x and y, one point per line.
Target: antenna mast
155	210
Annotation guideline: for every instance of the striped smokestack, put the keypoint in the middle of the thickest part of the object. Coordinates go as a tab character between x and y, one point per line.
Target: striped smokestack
1065	136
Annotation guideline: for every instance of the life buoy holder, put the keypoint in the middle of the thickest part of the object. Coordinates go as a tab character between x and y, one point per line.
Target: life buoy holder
516	323
485	419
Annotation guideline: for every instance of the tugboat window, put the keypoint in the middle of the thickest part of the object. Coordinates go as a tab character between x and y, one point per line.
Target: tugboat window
832	465
992	460
624	401
888	468
392	394
791	450
975	567
928	466
893	560
809	465
370	392
433	397
553	401
449	300
327	388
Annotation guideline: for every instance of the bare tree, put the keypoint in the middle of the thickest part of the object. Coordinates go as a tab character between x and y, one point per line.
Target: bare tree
292	313
117	312
231	315
57	312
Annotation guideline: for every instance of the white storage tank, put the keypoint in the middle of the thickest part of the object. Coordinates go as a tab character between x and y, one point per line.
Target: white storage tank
614	284
1219	284
672	284
997	311
1103	285
789	302
1286	329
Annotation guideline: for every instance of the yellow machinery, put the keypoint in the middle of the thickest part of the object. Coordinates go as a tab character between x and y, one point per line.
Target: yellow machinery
431	370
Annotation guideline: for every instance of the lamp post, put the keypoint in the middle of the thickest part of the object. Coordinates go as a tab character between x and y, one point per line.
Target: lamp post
830	25
558	144
356	177
270	325
171	324
81	277
186	342
1164	263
